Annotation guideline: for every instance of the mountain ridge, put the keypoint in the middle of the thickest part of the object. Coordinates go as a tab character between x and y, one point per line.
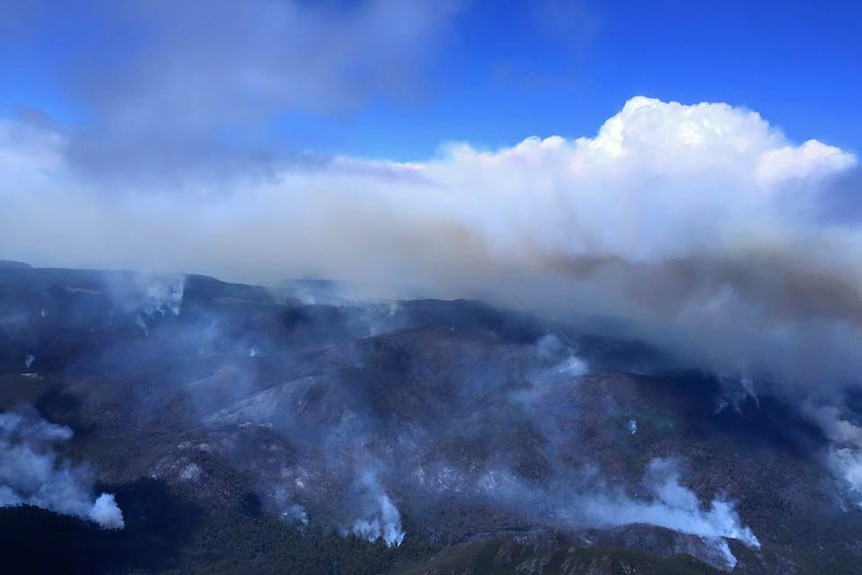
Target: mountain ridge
455	424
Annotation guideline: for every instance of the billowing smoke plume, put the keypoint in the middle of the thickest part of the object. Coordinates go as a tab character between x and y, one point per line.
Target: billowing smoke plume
569	506
31	473
674	507
702	225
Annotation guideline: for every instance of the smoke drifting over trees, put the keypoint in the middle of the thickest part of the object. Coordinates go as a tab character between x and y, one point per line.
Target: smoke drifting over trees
32	474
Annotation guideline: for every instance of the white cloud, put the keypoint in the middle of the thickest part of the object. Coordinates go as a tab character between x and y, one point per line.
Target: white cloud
659	180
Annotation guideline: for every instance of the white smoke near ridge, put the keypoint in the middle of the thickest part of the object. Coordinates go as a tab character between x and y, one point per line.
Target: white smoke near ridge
163	295
148	295
701	224
31	474
672	506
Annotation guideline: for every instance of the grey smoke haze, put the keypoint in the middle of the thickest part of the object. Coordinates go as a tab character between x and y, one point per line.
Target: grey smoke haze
32	474
702	226
351	460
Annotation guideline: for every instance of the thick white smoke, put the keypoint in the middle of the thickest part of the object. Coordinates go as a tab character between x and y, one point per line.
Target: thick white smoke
31	473
106	513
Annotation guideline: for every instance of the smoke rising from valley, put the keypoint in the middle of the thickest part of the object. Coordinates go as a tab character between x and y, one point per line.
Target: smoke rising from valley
33	474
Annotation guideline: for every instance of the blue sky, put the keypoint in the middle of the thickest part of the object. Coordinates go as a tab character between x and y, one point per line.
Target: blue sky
490	73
